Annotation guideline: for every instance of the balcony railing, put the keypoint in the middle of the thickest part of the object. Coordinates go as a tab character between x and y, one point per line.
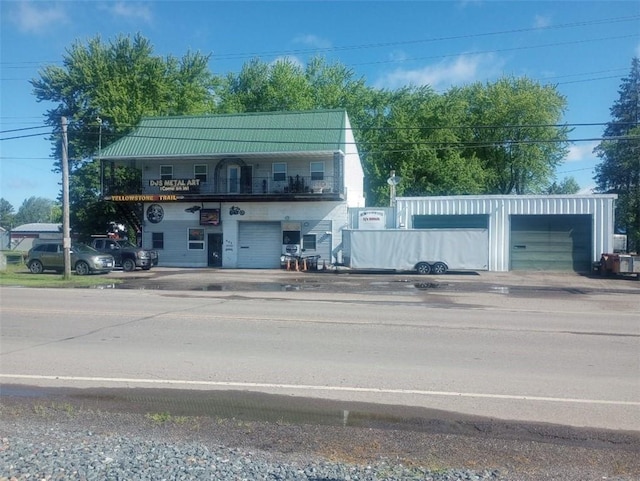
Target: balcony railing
291	185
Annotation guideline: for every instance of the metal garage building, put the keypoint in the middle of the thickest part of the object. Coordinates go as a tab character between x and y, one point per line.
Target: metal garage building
546	232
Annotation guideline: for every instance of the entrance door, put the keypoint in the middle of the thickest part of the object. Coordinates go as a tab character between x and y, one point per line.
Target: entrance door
214	250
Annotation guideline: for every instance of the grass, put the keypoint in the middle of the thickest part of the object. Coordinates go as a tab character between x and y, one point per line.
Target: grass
19	275
165	417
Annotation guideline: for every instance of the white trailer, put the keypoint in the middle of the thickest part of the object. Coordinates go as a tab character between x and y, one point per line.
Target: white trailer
424	250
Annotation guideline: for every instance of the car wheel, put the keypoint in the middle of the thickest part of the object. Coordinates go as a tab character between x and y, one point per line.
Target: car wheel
36	267
128	265
439	268
82	268
423	268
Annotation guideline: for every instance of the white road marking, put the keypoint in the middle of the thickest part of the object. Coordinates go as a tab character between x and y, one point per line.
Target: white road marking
303	387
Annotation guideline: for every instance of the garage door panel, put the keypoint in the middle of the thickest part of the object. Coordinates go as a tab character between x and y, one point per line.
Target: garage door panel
551	242
260	245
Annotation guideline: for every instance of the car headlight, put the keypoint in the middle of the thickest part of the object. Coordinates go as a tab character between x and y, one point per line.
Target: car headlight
143	254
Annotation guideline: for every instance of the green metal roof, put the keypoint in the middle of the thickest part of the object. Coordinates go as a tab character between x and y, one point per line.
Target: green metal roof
265	132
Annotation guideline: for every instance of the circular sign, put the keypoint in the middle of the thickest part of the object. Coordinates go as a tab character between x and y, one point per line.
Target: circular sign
155	213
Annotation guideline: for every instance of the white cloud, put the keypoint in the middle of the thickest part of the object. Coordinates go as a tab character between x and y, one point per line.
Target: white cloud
312	41
289	58
540	21
588	190
443	75
582	152
131	11
35	17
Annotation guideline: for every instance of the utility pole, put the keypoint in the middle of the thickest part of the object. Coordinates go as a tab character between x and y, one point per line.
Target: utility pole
66	236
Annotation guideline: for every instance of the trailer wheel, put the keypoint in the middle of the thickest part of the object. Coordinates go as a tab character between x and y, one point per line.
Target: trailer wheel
439	268
423	268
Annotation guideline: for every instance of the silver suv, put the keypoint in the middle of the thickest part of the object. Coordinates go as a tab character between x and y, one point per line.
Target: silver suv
84	259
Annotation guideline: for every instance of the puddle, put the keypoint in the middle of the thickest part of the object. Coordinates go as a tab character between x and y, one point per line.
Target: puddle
500	289
104	286
426	285
210	287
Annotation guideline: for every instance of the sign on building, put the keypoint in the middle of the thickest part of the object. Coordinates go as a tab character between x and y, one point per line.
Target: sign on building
372	220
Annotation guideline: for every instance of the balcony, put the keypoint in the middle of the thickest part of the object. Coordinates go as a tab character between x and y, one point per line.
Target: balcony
247	188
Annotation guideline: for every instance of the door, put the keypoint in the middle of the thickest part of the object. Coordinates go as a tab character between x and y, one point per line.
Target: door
233	179
246	179
551	242
53	257
260	245
214	250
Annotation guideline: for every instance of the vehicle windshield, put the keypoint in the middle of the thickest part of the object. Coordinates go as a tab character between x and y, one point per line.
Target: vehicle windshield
125	244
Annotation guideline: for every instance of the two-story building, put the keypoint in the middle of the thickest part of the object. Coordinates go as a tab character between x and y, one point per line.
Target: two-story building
237	190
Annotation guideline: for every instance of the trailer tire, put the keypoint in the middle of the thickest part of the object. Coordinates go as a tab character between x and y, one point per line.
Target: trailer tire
423	268
439	268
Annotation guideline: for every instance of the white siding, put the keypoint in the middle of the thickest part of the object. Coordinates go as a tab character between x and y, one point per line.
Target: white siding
500	208
353	171
325	219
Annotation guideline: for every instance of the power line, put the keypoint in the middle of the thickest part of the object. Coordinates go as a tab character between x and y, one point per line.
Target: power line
298	129
241	55
24	128
432	39
479	52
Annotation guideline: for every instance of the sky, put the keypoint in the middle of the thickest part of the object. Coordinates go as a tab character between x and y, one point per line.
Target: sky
584	48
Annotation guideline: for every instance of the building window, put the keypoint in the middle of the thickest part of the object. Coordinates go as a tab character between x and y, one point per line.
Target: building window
166	172
157	240
279	172
317	170
200	172
309	242
233	174
196	239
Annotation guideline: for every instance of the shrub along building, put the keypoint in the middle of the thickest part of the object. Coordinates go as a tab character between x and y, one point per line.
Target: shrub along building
237	190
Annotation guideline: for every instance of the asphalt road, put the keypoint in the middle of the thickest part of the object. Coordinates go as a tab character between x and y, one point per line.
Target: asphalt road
555	349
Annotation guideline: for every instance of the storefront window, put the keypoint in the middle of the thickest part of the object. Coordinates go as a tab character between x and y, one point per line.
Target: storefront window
196	239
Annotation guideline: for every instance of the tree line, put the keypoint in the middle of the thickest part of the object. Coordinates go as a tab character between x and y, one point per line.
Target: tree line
501	137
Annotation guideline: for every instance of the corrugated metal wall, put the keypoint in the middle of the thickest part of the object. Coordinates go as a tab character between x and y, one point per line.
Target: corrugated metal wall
500	208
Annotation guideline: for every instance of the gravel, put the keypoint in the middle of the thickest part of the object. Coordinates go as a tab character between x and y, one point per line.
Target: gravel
45	440
56	454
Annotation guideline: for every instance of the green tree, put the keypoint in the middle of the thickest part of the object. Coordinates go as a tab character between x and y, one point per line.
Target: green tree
568	185
37	209
619	171
104	89
516	133
7	214
420	140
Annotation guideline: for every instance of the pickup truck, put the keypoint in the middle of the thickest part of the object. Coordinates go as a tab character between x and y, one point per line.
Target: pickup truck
126	255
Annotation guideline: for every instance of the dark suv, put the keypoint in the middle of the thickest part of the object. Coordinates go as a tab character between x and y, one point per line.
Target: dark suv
84	259
127	255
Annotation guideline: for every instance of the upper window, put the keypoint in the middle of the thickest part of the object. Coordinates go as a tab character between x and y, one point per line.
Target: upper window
279	171
200	172
317	170
166	172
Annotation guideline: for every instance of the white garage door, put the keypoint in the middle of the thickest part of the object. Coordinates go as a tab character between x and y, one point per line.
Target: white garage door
260	245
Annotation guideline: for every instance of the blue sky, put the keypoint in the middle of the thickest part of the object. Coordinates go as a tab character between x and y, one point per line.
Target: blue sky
583	47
